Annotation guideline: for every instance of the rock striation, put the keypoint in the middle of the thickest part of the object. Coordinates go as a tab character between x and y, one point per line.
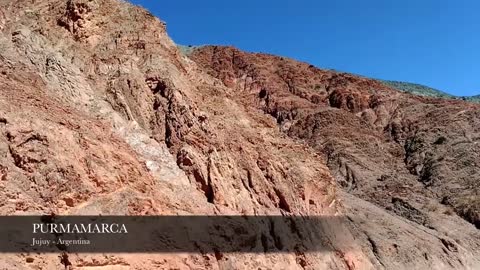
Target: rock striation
100	113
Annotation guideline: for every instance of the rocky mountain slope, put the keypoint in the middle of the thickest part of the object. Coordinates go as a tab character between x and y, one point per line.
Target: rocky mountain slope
100	113
416	158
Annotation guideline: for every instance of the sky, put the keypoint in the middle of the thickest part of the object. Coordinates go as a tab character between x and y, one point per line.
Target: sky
431	42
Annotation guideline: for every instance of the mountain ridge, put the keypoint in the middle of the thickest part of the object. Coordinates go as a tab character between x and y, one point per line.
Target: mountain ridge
414	88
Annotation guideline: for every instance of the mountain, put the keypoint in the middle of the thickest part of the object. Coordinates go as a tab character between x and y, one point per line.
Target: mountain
423	90
473	98
102	114
414	157
417	89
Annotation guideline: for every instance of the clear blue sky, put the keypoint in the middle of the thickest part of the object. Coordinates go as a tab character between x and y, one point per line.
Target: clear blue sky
432	42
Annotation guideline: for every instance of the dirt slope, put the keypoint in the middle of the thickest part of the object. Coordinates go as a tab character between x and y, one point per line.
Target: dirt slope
101	114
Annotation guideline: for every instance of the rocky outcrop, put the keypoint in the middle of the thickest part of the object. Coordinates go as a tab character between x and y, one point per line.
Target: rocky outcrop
100	113
411	157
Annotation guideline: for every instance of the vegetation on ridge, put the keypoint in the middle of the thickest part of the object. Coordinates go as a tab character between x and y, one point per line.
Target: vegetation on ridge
187	50
423	90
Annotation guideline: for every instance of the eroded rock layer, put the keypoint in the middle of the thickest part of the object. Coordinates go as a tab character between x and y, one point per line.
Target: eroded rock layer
408	163
100	113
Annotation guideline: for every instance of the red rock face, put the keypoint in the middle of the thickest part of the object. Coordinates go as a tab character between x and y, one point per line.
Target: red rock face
402	153
101	114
